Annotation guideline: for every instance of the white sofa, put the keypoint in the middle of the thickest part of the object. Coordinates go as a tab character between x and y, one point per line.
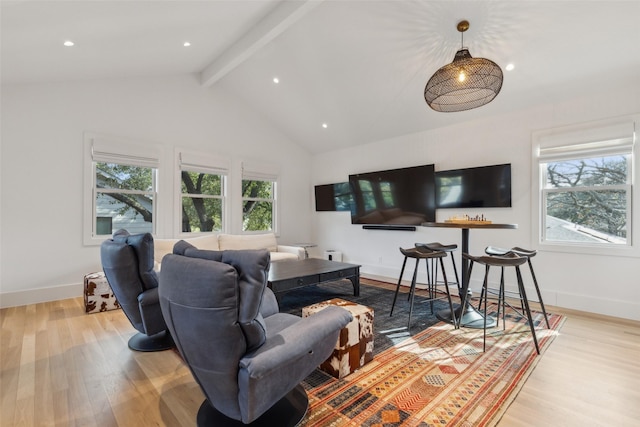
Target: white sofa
222	242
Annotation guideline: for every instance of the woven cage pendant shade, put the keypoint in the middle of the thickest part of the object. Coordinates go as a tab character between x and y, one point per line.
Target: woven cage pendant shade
464	84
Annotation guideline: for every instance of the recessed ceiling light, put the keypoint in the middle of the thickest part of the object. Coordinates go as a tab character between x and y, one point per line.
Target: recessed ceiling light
68	43
276	80
324	125
186	44
509	67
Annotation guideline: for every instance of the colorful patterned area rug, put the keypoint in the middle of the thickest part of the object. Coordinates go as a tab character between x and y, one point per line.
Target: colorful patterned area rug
438	377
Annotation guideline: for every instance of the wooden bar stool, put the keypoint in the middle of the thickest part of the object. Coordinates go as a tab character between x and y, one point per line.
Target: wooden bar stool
439	247
502	262
426	254
494	251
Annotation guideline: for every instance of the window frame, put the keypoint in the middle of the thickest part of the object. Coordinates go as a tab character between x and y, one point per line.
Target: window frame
627	188
109	149
200	162
596	139
261	172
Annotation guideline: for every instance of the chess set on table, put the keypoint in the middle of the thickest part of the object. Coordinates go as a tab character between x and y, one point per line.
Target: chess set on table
466	219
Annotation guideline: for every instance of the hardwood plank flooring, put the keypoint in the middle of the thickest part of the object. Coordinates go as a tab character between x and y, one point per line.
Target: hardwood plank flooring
589	376
62	367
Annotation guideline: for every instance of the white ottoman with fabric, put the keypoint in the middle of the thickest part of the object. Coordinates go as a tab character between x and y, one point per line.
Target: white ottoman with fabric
98	295
355	344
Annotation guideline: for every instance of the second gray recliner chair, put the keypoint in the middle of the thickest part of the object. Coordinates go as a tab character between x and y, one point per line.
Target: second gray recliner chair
127	261
248	358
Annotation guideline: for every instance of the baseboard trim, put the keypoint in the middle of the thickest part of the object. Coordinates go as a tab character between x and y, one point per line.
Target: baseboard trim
608	307
35	296
629	310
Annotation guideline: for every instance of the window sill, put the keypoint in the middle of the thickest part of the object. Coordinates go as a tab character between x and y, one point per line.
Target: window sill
581	248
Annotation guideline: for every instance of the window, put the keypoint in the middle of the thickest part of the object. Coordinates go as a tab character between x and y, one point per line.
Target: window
258	204
202	186
585	187
587	199
202	201
124	198
259	198
121	187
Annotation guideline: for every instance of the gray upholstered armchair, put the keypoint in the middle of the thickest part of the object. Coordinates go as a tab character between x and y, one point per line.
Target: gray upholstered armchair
127	261
248	358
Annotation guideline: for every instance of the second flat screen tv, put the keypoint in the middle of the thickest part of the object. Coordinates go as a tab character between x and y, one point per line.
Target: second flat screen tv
403	196
333	197
481	187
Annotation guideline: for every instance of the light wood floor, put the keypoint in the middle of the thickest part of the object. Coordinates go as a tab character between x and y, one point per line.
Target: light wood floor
59	366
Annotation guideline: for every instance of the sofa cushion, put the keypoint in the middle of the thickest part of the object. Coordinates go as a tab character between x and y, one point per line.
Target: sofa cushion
162	247
283	256
208	242
247	241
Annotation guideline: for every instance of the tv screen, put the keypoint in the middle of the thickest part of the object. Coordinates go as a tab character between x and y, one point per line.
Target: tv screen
403	196
481	187
333	197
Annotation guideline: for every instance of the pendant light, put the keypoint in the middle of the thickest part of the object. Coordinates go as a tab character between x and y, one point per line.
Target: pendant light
464	84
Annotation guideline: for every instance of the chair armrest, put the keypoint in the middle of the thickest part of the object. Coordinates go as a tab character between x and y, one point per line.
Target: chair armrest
296	250
286	358
148	298
150	312
312	337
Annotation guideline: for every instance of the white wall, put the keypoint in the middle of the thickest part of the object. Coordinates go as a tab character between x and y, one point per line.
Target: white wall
43	257
600	284
41	205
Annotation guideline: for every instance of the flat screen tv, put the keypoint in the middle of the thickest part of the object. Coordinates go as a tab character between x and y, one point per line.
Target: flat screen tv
333	197
395	197
481	187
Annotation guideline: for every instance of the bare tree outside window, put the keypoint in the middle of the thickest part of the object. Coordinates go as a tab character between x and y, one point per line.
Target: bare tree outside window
592	194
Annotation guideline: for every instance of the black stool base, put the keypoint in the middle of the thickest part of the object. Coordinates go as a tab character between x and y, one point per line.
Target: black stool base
158	342
471	318
287	412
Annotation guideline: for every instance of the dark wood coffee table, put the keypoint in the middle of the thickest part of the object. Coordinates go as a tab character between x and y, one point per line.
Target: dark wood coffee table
288	275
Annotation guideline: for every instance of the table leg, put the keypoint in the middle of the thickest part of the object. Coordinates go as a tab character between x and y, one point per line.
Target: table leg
355	281
467	315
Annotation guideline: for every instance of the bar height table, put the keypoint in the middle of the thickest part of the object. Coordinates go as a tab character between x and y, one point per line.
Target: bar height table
468	315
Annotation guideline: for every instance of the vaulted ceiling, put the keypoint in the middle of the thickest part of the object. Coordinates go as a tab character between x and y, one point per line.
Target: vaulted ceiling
359	66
